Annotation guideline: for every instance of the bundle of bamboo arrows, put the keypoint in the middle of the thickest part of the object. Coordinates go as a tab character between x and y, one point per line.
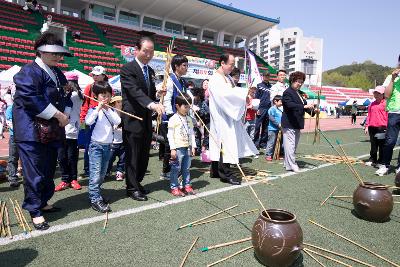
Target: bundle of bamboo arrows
5	226
332	158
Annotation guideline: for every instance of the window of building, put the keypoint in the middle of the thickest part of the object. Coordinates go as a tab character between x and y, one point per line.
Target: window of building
75	15
65	12
151	23
129	18
103	12
295	33
53	9
45	8
173	28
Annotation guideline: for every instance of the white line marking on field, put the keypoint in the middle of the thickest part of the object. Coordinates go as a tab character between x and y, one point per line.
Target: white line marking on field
117	214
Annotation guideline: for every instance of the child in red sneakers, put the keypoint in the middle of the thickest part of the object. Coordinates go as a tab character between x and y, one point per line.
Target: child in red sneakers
182	142
68	154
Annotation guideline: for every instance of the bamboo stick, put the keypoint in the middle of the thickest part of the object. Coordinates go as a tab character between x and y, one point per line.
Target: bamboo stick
166	77
341	196
8	223
277	146
22	216
105	222
19	219
351	166
189	250
204	249
326	199
340	255
2	225
327	257
230	256
354	243
309	254
119	110
207	217
223	218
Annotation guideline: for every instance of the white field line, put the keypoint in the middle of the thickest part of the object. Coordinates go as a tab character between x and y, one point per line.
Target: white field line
117	214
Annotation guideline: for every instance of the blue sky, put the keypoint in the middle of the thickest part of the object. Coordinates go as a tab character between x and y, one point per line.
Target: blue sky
353	30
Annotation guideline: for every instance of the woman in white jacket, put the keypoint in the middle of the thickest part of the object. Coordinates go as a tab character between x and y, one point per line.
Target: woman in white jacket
68	154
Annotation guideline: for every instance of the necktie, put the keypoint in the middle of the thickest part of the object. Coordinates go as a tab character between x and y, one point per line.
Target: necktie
183	85
146	74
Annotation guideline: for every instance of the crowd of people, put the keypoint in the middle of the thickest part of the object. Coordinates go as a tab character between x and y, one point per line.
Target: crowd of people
50	117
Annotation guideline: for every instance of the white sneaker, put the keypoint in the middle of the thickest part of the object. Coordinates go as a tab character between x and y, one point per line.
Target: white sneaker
382	170
368	163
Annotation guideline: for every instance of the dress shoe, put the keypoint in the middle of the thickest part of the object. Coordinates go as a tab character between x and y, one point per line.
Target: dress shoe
41	226
100	206
137	195
143	190
232	181
51	210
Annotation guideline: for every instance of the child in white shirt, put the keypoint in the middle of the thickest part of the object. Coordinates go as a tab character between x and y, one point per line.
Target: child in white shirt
182	142
101	121
117	148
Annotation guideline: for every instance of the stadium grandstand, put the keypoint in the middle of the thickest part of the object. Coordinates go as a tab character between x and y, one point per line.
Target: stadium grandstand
202	29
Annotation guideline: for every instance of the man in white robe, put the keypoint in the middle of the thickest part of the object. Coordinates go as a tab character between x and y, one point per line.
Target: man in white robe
227	107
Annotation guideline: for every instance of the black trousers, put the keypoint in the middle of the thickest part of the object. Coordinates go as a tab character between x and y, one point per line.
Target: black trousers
219	169
167	151
376	144
136	159
353	118
68	160
261	129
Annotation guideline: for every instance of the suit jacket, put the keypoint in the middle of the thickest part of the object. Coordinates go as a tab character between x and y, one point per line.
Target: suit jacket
35	90
293	110
136	96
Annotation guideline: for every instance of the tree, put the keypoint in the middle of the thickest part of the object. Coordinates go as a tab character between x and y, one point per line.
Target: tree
359	80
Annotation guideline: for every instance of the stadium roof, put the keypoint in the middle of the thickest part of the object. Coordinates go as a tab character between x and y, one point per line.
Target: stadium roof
199	13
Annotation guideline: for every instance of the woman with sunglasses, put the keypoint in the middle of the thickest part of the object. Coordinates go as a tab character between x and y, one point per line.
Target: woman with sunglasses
40	100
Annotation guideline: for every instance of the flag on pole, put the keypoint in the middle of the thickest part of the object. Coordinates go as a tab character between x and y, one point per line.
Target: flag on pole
254	74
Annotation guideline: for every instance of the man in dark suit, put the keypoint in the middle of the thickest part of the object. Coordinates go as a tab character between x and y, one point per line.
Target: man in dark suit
138	95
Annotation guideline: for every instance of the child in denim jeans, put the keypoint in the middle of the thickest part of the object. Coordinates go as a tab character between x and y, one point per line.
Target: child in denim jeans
117	148
101	120
275	116
182	142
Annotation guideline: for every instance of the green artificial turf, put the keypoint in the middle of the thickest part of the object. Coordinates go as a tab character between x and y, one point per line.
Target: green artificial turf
150	238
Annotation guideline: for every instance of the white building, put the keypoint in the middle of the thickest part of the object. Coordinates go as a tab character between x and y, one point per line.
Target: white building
288	49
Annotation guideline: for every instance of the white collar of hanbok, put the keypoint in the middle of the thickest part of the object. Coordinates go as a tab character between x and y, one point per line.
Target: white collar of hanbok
47	69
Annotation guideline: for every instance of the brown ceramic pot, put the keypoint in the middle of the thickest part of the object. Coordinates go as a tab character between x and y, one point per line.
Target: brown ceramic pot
277	241
397	180
373	202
